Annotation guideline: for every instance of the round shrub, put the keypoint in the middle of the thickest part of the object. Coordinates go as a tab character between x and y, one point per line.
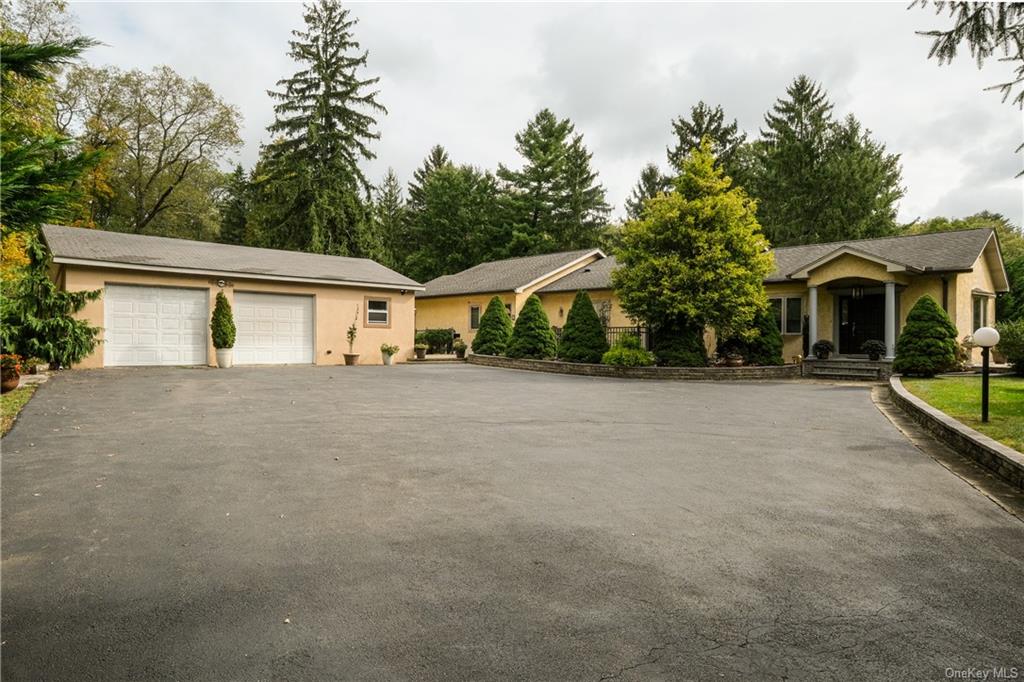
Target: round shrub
627	353
495	330
583	338
222	324
679	343
927	344
532	336
763	347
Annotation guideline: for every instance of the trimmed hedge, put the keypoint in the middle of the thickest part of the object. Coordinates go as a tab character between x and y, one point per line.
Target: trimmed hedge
495	329
222	323
583	338
928	342
532	336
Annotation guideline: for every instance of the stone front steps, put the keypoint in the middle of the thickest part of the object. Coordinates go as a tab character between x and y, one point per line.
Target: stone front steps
847	369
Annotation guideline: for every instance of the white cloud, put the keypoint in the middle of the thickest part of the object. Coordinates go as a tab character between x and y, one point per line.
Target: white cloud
469	76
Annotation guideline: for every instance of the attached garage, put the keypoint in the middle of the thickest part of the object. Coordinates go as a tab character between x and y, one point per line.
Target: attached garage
273	329
154	325
289	307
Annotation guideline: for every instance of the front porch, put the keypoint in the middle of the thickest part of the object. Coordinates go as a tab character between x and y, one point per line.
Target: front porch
856	310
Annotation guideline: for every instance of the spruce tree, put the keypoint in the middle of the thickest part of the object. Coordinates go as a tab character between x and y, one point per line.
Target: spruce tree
324	125
234	208
437	158
726	138
586	211
389	216
532	336
818	180
928	341
495	329
583	338
651	184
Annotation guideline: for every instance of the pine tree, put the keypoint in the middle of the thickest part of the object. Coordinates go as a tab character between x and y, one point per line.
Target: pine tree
583	338
532	336
651	184
817	180
234	208
389	216
726	138
495	329
324	123
586	213
437	158
928	341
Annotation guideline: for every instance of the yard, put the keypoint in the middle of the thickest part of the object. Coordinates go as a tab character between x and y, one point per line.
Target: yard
11	404
458	522
960	398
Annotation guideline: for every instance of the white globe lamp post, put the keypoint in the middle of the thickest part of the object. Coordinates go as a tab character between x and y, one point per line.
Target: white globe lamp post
986	337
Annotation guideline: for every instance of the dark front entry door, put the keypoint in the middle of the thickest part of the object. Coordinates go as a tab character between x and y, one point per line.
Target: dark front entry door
860	319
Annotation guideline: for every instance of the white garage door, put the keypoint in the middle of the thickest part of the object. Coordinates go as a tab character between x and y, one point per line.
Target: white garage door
154	326
273	329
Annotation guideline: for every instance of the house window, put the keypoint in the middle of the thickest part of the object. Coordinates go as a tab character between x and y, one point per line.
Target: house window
508	307
378	312
474	317
788	313
980	312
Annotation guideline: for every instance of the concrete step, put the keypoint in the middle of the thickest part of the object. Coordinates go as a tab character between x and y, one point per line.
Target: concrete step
841	373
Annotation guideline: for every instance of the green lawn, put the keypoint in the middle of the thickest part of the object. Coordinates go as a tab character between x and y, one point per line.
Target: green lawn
960	398
11	404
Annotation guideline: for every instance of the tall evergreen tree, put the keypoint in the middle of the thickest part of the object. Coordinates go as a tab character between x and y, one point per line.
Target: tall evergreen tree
324	123
234	208
389	216
704	121
436	158
651	184
818	180
553	202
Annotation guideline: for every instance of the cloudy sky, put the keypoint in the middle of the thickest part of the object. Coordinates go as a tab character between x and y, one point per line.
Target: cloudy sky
469	75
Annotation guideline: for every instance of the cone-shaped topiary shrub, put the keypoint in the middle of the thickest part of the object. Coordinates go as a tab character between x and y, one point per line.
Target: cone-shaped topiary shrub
927	344
222	324
583	338
532	336
763	349
495	330
679	343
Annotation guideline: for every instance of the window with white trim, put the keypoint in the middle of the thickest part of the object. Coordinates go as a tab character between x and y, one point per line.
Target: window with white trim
789	313
377	312
474	317
980	312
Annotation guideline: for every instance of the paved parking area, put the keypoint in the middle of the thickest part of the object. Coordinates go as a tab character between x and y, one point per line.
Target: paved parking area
458	522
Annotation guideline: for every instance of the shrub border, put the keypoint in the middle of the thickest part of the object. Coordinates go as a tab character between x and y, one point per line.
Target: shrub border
769	373
1001	460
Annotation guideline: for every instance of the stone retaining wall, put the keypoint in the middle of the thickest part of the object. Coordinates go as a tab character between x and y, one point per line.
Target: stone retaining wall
1003	461
673	373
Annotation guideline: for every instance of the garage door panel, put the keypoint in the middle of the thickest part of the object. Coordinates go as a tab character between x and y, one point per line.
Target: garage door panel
273	329
154	326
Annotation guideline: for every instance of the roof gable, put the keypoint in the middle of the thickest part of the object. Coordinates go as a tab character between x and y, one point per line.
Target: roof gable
98	248
511	274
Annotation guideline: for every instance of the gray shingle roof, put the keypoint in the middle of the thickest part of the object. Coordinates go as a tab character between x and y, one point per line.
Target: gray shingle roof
937	251
500	275
163	252
597	275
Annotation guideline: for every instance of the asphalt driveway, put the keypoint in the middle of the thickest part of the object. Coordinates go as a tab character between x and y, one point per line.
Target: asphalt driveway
457	522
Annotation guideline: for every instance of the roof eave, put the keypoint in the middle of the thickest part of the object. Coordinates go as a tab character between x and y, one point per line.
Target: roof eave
87	262
598	252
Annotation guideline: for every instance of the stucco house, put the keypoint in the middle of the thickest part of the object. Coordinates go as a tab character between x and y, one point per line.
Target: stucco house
847	292
289	307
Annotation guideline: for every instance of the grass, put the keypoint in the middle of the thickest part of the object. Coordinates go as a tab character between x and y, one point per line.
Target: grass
960	398
11	404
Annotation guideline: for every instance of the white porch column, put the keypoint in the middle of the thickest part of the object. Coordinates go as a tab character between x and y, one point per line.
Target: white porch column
890	320
812	318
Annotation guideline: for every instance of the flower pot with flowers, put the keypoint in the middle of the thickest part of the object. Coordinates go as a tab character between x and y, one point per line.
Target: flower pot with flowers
388	351
11	371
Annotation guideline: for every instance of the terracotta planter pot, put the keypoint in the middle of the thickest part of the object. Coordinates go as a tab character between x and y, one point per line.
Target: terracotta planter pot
10	380
351	358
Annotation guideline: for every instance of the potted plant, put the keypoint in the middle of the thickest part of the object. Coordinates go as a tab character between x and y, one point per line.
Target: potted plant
37	365
222	330
388	351
874	349
733	358
10	372
459	346
351	357
822	349
421	351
